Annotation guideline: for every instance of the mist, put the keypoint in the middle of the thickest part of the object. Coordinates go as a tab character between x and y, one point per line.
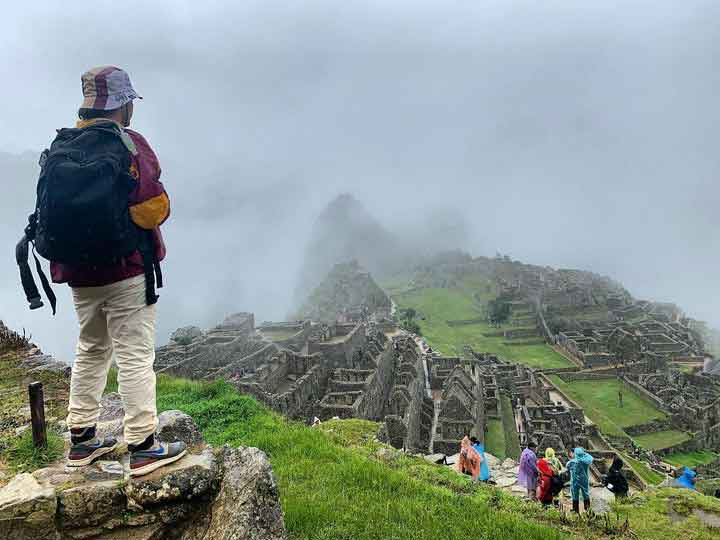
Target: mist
565	134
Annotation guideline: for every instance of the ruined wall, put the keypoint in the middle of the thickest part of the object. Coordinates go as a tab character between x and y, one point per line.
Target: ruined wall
418	418
338	350
376	394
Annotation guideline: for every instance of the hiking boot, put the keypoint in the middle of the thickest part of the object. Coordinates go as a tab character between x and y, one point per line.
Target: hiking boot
158	455
85	452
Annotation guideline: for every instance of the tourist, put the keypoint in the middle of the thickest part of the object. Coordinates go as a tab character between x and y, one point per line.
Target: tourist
527	472
579	466
687	479
484	468
615	480
553	461
545	483
115	302
469	460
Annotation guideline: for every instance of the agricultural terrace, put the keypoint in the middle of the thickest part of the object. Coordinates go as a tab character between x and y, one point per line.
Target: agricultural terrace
599	399
437	306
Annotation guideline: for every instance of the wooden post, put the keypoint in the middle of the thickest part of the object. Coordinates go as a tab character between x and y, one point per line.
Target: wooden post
37	414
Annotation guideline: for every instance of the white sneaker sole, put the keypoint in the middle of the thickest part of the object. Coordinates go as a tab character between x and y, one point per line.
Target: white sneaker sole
92	457
150	467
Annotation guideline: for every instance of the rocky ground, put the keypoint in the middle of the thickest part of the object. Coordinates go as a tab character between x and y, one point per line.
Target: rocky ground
210	494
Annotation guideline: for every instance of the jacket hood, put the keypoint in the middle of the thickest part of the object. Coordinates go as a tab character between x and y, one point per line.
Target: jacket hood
582	456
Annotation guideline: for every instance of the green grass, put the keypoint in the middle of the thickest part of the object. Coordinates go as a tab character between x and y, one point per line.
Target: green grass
661	439
332	491
438	306
649	514
14	399
22	456
691	459
599	399
495	439
641	469
512	444
334	484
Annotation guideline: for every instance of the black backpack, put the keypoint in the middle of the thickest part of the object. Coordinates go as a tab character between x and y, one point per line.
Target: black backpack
556	484
82	215
82	198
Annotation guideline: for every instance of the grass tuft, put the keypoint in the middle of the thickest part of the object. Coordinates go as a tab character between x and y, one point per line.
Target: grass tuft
22	456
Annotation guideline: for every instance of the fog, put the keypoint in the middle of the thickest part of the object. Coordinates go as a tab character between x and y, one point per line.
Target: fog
572	134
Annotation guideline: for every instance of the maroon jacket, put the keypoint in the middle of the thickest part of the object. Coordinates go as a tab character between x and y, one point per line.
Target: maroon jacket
149	208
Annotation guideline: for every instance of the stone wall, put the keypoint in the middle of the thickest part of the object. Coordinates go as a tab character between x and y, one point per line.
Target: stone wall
520	333
650	427
377	391
338	351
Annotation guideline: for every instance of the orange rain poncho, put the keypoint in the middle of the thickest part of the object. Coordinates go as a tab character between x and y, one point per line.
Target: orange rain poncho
469	461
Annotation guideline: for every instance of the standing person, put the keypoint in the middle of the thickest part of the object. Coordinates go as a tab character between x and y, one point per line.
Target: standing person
469	460
615	480
113	271
527	472
579	466
557	481
545	482
484	468
553	461
687	479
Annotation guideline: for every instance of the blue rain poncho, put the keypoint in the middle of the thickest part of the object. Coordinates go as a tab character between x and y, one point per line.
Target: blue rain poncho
579	467
484	469
687	480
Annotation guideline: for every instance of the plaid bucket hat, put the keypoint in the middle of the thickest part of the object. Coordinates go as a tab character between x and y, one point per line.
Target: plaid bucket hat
106	88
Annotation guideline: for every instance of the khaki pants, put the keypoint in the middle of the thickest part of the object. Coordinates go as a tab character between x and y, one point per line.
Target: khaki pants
115	319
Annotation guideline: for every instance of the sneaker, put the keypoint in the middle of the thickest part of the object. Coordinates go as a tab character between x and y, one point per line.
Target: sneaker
84	453
160	454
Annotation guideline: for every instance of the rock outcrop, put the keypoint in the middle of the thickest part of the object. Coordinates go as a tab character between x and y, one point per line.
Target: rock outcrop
219	494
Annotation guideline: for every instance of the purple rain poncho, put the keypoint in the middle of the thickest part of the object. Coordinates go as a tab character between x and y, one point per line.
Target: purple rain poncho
527	473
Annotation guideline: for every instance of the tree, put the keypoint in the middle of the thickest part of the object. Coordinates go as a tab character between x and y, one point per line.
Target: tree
411	326
498	311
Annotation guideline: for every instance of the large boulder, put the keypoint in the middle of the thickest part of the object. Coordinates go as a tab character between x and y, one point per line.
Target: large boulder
601	500
110	421
247	505
178	426
27	509
220	494
172	425
190	478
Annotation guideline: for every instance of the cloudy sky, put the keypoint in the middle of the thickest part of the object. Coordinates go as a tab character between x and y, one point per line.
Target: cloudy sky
566	133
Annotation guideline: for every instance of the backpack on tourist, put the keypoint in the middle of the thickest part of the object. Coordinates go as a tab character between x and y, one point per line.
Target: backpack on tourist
556	484
81	216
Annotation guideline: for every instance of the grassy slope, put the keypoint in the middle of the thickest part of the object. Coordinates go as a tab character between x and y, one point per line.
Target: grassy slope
600	402
332	491
495	439
15	452
441	305
650	476
334	487
512	445
691	459
661	439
